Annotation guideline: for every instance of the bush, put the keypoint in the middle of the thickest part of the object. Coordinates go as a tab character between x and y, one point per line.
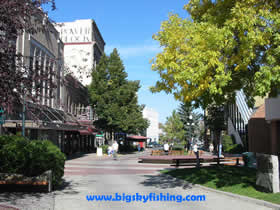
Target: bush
178	147
235	149
31	158
227	142
104	149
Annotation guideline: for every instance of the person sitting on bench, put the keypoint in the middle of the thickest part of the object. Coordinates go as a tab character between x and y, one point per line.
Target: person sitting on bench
166	148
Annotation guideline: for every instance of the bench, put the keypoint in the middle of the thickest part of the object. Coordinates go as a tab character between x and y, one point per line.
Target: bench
192	160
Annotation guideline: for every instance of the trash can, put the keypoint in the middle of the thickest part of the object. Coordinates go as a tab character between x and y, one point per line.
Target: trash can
249	159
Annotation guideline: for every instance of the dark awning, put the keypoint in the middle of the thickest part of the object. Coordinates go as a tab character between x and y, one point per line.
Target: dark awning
84	132
137	138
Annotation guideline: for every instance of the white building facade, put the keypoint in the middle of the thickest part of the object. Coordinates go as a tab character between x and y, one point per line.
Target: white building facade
153	129
83	47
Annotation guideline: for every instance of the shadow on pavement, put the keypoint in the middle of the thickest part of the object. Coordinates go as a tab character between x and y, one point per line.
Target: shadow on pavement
67	187
164	182
13	196
77	155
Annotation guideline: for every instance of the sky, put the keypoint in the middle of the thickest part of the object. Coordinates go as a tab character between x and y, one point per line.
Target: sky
129	26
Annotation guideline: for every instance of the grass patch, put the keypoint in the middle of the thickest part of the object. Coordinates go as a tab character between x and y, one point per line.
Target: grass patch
238	180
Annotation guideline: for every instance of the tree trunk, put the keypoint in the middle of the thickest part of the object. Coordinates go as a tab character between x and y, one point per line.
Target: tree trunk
217	137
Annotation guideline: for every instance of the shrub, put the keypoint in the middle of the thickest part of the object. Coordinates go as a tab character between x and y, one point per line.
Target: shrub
44	156
104	149
31	158
227	142
235	149
12	154
178	147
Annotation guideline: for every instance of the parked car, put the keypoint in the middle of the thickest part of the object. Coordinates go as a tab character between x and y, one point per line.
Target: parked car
153	145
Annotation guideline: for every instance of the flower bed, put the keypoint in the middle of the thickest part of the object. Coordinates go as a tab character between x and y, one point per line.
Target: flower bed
44	179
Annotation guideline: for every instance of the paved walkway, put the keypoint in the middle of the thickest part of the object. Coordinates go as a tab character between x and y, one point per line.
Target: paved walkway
88	175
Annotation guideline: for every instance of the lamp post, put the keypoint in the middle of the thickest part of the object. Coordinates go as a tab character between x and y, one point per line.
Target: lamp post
2	120
191	124
23	115
23	107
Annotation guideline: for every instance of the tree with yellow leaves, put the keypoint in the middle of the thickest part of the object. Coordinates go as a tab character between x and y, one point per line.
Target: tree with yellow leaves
225	45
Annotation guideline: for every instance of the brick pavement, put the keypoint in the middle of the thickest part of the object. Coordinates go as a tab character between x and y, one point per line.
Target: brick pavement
89	174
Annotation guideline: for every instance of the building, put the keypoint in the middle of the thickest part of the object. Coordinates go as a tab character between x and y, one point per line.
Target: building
152	131
264	128
83	48
238	116
61	113
255	128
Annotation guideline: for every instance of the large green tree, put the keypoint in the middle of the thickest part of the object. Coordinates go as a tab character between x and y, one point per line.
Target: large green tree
190	120
174	128
225	45
114	98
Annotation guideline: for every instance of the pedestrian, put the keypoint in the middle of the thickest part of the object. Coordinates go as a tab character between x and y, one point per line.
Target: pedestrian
115	147
138	147
110	150
166	148
211	148
220	150
189	146
196	152
171	146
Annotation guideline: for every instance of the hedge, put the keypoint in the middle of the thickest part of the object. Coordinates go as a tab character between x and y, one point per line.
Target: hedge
31	157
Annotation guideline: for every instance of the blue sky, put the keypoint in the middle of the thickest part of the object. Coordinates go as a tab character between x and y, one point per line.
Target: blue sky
128	26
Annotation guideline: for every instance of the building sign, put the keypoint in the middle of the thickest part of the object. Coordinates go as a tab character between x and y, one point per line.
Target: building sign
75	34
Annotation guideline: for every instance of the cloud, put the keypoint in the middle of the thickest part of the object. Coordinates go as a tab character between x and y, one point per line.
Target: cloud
134	51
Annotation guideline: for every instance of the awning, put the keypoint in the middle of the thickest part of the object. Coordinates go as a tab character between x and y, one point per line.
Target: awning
84	132
137	138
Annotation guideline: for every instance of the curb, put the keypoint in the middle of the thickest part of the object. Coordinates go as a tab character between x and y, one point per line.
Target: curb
4	206
242	197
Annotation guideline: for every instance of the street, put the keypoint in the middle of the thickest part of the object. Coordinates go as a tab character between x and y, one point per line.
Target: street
90	175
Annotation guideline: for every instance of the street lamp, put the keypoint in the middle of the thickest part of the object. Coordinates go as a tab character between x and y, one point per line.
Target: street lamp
23	108
23	115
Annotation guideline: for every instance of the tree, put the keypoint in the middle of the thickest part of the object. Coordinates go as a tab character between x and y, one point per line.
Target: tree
114	98
19	79
174	128
190	120
215	121
17	17
224	46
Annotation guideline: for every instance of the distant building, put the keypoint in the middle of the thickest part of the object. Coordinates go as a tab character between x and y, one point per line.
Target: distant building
153	129
83	47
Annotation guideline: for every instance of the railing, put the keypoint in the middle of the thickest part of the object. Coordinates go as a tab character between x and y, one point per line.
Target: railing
243	108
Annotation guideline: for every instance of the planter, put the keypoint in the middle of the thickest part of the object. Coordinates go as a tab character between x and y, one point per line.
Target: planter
44	179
